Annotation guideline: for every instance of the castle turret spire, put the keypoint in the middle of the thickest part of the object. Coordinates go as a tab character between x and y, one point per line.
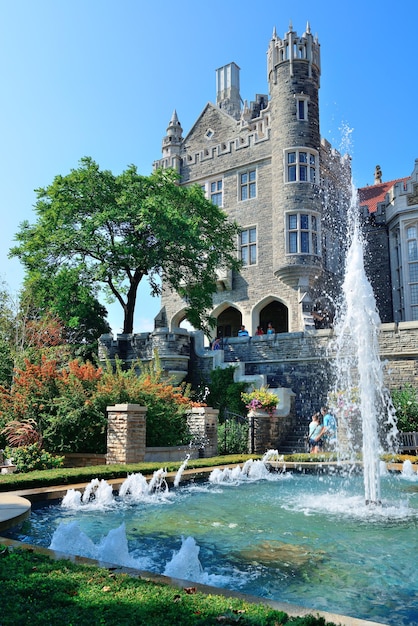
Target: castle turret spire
172	142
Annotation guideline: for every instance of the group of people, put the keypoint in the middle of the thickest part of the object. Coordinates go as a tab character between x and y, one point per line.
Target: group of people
322	431
243	332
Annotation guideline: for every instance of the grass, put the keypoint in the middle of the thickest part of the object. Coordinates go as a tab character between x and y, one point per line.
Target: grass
38	591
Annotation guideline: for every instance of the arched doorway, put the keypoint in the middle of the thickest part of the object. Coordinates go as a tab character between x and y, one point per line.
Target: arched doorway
229	322
277	313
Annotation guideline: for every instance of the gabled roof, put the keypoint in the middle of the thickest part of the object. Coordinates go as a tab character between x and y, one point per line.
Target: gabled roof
208	108
373	195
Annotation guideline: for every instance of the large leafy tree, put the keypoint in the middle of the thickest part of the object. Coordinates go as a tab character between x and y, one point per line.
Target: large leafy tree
116	230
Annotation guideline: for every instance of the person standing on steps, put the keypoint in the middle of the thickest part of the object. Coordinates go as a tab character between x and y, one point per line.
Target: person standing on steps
243	332
329	429
315	434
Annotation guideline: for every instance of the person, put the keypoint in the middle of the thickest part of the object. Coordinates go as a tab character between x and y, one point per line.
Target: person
329	430
259	331
216	345
315	433
270	329
243	332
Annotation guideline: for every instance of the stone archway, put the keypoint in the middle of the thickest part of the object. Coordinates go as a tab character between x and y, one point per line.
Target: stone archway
179	321
228	322
278	314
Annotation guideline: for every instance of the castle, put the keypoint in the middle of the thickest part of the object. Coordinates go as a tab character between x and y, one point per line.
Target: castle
267	166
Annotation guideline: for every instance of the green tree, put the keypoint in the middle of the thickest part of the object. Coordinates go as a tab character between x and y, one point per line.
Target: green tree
74	302
116	230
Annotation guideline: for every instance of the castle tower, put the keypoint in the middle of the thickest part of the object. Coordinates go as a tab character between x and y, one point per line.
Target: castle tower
172	143
228	90
293	68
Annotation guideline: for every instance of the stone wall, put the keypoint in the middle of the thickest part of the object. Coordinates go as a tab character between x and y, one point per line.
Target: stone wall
126	436
203	425
303	362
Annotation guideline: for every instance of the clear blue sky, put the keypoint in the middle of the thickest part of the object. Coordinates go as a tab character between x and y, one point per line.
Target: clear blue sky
101	78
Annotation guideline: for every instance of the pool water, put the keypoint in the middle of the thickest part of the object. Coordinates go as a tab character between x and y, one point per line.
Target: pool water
305	539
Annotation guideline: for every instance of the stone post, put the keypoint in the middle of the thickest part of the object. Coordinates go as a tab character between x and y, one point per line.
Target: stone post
203	425
269	432
126	430
264	431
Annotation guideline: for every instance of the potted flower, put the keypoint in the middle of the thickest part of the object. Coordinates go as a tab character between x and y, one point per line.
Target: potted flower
260	399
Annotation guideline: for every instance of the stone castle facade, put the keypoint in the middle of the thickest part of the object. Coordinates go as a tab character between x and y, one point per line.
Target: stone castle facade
267	166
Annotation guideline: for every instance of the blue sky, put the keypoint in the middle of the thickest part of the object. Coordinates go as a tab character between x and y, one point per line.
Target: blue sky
101	78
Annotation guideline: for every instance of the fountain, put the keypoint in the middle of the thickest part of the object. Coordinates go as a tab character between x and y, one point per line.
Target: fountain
362	403
305	539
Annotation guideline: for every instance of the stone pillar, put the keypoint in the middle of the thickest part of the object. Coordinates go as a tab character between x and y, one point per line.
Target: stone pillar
203	425
263	431
269	432
126	430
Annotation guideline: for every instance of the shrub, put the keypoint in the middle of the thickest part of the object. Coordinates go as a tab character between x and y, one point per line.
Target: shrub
32	457
225	394
233	437
405	401
67	403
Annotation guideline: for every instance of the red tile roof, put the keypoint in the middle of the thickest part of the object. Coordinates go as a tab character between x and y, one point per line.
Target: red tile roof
372	195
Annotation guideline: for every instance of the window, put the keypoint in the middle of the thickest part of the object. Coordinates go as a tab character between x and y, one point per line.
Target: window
302	108
248	185
302	233
301	166
412	252
248	246
215	192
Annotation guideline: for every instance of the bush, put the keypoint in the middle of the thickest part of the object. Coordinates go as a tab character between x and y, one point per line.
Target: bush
405	401
233	437
67	403
32	457
225	394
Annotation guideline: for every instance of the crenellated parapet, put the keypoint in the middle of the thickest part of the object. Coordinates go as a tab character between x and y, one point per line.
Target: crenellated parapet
293	48
172	347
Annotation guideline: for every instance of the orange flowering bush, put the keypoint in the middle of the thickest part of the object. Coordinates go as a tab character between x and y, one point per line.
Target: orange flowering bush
68	403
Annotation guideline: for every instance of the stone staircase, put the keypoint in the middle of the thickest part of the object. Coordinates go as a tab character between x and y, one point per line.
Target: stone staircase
295	441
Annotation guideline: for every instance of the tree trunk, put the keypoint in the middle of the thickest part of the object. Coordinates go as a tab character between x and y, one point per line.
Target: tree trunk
129	308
